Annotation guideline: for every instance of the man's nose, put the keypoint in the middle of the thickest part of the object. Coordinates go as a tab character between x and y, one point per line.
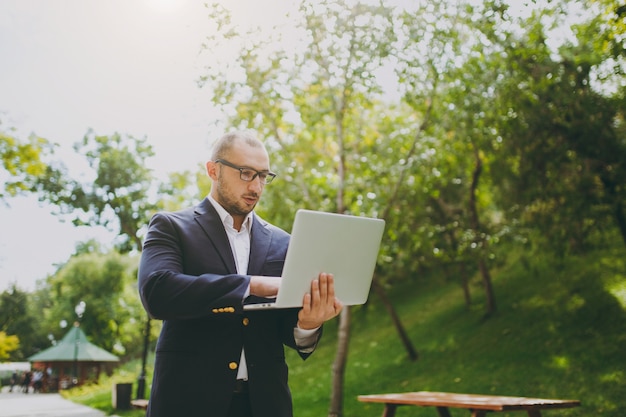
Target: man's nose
256	184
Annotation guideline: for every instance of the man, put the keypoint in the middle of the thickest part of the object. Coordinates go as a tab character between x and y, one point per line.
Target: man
37	381
14	379
198	265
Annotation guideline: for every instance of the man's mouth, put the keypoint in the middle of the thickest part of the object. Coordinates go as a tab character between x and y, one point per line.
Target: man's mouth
250	200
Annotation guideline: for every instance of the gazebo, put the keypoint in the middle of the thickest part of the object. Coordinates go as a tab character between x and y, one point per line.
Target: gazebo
72	361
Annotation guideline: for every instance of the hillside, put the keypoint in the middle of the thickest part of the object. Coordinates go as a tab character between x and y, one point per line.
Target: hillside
560	332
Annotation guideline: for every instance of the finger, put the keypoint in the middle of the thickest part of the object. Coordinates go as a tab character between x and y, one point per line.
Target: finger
315	293
306	303
323	288
331	287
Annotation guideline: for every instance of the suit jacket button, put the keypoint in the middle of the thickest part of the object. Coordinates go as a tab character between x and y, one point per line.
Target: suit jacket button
246	321
232	365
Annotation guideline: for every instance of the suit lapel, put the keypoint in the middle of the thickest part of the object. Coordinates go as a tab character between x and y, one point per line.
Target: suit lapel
206	216
259	245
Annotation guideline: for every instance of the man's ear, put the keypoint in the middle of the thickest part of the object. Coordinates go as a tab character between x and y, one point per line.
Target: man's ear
211	170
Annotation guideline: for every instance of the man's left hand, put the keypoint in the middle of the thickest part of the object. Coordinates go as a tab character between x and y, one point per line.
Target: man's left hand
320	305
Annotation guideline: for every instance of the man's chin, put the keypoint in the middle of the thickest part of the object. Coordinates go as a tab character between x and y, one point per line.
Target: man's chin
246	208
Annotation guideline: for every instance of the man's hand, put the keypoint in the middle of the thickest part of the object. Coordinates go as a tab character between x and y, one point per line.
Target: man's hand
320	305
264	286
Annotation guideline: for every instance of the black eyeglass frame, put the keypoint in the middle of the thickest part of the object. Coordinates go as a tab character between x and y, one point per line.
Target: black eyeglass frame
266	177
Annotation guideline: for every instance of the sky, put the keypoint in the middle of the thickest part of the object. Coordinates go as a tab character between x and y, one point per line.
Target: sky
127	66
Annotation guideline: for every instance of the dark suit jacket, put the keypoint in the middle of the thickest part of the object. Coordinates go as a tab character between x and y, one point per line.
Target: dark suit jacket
187	278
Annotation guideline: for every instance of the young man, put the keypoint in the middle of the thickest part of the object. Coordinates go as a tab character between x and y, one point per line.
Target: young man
198	265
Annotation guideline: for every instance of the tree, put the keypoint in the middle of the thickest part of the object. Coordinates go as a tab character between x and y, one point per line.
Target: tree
315	109
442	77
106	283
8	344
19	318
563	131
21	162
119	195
184	189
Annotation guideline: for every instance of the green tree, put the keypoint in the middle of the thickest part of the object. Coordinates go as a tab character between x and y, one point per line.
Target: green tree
119	195
21	162
19	317
561	125
8	344
442	72
184	189
315	108
106	283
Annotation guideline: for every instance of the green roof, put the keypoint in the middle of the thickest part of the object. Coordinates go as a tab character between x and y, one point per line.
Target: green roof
65	350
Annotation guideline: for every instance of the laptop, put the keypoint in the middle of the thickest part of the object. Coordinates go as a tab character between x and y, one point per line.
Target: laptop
343	245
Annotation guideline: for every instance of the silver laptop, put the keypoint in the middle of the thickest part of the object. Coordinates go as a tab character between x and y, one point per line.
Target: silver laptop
343	245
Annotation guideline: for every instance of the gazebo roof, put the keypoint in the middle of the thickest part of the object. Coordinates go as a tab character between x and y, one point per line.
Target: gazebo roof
65	350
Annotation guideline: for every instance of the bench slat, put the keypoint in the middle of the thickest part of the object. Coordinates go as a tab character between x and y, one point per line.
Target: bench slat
469	401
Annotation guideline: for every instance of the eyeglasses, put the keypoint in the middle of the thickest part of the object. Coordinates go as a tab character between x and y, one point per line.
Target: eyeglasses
249	174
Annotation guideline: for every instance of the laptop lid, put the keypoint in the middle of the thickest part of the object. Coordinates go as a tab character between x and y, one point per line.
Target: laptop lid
344	245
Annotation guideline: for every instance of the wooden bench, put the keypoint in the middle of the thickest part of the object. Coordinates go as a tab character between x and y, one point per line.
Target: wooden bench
142	404
478	405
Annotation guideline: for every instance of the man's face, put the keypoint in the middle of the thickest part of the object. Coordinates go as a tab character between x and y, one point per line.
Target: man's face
237	196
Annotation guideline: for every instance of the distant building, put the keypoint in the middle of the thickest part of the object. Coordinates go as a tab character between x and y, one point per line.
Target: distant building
72	361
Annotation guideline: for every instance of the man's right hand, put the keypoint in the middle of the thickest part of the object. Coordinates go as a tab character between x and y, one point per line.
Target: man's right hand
266	287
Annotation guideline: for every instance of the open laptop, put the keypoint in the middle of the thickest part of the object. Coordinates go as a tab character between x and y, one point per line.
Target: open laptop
343	245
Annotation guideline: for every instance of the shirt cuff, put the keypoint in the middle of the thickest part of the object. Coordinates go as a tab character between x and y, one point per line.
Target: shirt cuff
306	339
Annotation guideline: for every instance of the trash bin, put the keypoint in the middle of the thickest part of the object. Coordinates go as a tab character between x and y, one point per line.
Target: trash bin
121	396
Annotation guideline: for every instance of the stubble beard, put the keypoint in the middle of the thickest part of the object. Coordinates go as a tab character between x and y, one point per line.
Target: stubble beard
230	203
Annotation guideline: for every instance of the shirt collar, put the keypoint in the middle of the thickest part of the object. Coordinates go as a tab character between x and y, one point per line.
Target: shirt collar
227	219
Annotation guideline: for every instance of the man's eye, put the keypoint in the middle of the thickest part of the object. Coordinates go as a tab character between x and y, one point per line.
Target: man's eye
248	173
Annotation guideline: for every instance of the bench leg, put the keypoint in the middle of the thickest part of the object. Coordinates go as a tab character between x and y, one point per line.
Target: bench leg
443	412
534	413
390	410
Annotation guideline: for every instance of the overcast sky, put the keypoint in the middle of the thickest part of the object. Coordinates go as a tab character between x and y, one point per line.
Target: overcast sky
127	66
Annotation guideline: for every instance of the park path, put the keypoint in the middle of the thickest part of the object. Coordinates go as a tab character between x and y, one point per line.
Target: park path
18	404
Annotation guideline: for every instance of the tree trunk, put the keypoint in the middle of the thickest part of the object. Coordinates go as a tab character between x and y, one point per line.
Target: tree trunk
446	213
339	366
378	288
141	381
480	241
487	283
618	208
396	321
467	295
621	220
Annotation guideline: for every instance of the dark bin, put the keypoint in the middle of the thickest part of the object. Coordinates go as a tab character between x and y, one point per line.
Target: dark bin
121	396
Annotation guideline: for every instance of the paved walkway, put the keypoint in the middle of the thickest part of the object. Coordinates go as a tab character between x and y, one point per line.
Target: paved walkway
18	404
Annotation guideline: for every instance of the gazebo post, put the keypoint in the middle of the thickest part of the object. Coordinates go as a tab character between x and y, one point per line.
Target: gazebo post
79	310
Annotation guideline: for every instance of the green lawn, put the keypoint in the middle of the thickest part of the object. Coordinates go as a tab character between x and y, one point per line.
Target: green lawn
100	396
560	332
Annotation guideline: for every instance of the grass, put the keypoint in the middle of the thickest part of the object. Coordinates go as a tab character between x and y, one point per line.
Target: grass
100	395
559	332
